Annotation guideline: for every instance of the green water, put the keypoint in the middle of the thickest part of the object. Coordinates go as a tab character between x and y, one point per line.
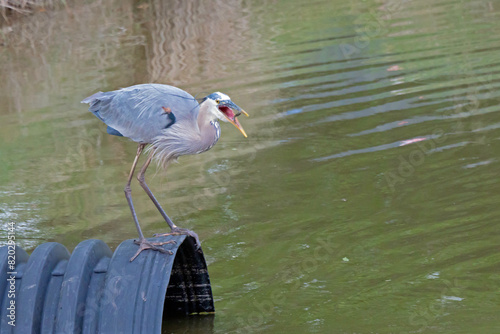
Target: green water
365	199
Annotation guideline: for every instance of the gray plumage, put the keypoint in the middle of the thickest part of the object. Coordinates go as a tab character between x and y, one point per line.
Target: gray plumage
137	112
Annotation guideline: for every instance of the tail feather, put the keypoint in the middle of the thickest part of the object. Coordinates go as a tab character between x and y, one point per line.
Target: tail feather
99	101
96	97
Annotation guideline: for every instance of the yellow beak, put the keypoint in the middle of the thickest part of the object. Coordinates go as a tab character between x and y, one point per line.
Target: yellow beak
238	125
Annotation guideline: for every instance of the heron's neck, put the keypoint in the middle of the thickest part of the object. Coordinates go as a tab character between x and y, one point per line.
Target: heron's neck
182	138
209	128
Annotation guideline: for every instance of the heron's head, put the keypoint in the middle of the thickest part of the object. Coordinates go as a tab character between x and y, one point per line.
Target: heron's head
221	106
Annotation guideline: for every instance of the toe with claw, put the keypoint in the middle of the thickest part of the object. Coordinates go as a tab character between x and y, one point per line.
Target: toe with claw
180	231
145	244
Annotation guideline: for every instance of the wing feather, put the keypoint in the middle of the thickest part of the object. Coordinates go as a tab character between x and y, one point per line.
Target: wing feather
137	112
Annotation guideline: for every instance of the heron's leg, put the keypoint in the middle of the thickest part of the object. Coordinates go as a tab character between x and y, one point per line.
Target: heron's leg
142	181
174	229
128	190
142	242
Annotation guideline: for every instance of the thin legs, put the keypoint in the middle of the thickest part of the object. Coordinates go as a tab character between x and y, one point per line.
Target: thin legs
142	181
174	229
128	190
142	242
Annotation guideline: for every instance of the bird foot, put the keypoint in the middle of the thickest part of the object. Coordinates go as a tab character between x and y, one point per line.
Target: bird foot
145	244
180	231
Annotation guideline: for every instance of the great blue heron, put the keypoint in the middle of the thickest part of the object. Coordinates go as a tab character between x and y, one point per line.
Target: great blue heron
169	119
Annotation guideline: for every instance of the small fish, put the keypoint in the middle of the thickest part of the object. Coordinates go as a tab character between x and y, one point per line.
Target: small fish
394	68
411	141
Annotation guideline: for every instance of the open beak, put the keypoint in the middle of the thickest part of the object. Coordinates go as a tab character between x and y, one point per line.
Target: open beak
238	125
228	109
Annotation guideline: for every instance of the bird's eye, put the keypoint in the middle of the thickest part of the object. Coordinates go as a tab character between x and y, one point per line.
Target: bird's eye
217	101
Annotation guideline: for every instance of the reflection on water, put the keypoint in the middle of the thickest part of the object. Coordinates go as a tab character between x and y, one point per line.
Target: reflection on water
363	199
188	40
